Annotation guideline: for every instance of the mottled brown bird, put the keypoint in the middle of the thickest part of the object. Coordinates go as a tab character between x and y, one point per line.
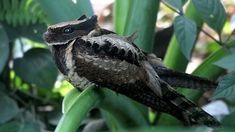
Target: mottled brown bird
87	54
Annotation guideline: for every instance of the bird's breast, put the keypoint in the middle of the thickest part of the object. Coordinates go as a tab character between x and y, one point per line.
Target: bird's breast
84	64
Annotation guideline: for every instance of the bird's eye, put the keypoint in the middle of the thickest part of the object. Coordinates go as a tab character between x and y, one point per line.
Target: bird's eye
68	30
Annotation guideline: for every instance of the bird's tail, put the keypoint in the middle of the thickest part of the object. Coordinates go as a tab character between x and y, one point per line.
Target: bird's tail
192	114
170	102
178	79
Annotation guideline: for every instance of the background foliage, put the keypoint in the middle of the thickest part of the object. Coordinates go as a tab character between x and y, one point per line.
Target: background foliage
32	90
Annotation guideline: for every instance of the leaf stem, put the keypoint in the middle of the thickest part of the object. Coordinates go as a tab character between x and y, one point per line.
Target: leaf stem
213	38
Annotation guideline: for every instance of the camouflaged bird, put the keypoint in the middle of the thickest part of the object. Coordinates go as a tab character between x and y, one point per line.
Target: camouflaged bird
87	54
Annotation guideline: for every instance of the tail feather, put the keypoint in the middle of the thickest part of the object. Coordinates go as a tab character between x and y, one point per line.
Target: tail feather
192	114
178	79
170	102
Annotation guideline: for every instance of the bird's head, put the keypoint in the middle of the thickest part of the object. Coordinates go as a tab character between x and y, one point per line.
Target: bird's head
62	33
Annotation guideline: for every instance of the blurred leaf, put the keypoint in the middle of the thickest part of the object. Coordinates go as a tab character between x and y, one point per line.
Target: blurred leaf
169	129
9	108
120	15
232	47
4	48
186	33
37	67
68	9
142	19
176	3
55	115
2	86
227	62
211	47
33	32
226	88
224	129
29	127
212	12
16	126
12	126
18	12
63	87
229	120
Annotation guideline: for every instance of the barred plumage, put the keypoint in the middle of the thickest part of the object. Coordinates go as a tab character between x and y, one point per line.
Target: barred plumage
91	55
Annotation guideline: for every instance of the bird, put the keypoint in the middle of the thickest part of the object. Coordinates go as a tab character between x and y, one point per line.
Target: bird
87	54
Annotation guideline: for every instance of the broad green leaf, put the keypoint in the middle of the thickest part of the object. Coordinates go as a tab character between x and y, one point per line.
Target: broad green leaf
37	67
78	110
9	108
227	62
4	48
212	12
178	4
186	33
142	19
65	10
226	88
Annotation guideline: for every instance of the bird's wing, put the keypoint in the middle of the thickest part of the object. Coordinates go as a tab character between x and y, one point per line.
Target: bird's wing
116	47
153	80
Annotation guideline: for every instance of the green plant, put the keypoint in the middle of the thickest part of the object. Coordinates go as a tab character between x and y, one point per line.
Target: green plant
27	87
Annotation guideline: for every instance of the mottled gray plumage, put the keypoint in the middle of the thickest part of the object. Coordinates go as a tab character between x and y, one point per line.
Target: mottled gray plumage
92	55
